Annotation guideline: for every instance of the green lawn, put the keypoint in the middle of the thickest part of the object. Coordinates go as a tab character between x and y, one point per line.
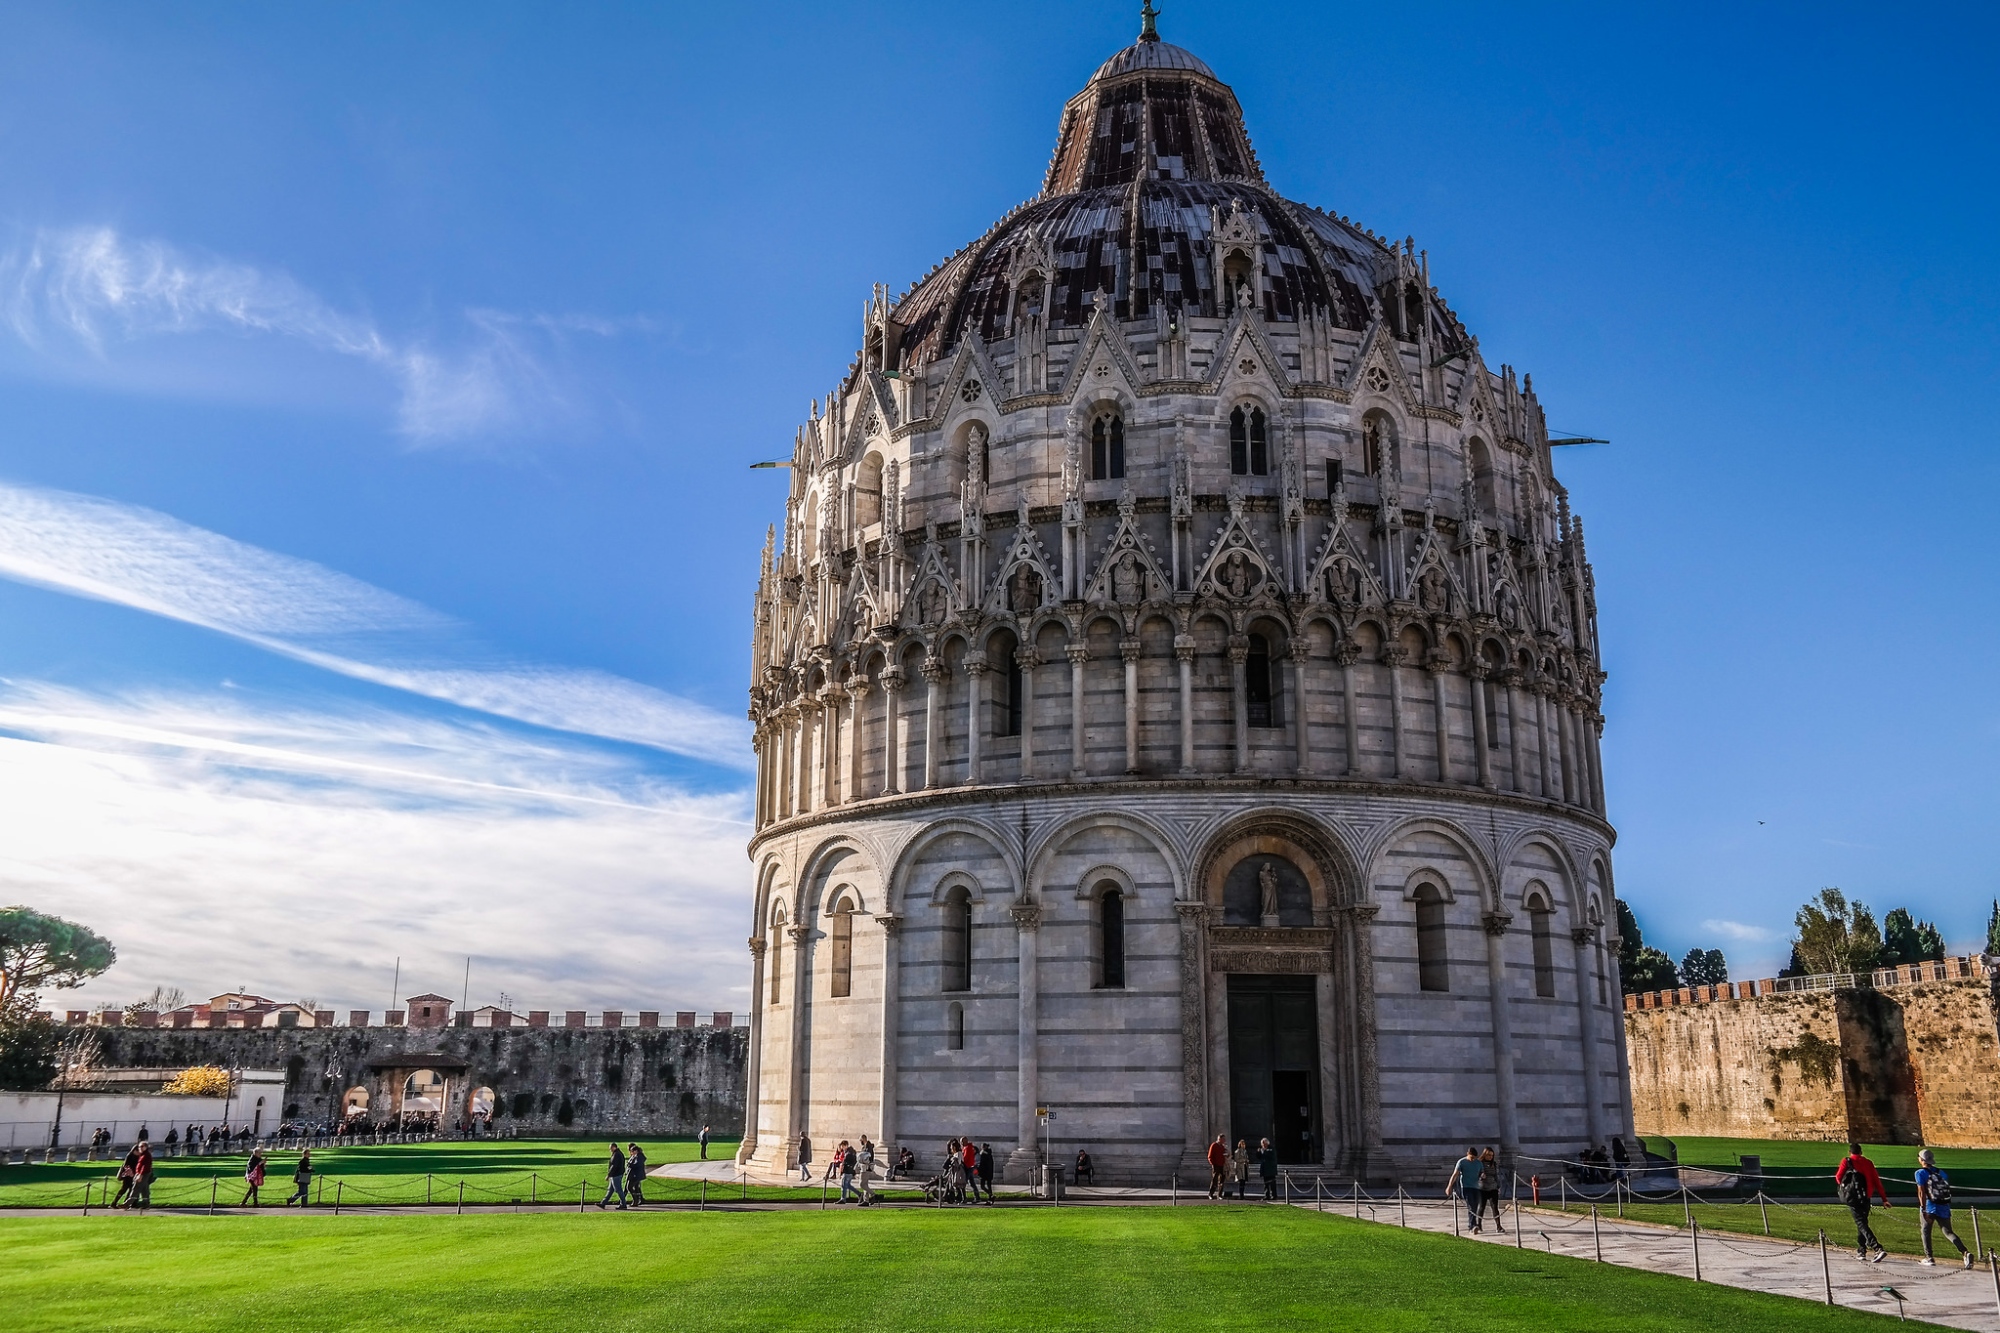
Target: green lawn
1897	1228
1807	1168
965	1269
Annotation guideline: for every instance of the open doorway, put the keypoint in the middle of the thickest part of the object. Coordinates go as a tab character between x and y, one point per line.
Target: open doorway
1274	1064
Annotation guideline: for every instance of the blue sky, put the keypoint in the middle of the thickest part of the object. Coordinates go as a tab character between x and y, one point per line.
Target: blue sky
377	384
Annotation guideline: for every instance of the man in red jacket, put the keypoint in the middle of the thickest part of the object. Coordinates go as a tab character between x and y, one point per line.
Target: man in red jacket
1858	1184
1218	1167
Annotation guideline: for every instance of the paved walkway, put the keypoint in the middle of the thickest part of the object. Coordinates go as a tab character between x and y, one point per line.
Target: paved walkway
1947	1294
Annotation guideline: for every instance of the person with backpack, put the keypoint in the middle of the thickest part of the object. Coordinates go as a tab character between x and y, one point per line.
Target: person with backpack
1464	1182
302	1177
1267	1167
986	1171
635	1175
805	1159
1934	1189
849	1162
1858	1183
253	1176
128	1176
614	1178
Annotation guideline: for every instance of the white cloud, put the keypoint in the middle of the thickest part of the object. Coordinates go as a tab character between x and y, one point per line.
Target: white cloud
1739	931
149	561
94	289
220	842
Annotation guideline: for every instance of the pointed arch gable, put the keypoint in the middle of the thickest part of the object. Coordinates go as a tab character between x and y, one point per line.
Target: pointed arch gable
1333	860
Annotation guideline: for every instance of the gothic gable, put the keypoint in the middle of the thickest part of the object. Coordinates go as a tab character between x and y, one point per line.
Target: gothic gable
1235	567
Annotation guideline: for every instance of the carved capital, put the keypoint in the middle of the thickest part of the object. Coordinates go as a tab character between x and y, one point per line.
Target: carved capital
891	922
973	667
758	944
1078	653
1027	915
800	934
1184	648
1477	669
1129	649
1583	935
933	669
892	680
1027	659
1496	923
1192	914
1438	663
1346	654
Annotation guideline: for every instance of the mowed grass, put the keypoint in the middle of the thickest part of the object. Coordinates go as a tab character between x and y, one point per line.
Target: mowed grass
494	1171
1897	1228
1101	1268
1806	1167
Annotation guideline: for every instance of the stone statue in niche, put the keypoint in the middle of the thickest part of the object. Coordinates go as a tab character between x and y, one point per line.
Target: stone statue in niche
1508	606
930	604
1239	575
1267	891
1433	594
1128	580
1024	590
1343	584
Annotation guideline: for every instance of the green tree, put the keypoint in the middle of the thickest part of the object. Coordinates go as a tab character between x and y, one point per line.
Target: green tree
28	1049
1836	935
1704	967
1641	968
1909	941
38	950
1993	930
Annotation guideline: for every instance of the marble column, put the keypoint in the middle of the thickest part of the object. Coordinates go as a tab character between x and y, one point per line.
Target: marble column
975	721
1301	712
1505	1105
1028	659
1586	1013
892	731
892	972
1441	707
1542	740
753	1074
1360	945
1078	655
1567	765
1517	766
933	671
1184	659
830	698
1482	725
797	1094
1350	716
1027	1153
857	696
808	763
1195	1131
1239	653
1392	659
1128	649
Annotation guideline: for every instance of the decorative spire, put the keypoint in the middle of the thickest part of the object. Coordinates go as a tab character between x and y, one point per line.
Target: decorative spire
1147	31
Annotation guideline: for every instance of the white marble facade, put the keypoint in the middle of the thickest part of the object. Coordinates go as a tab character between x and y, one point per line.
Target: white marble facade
1176	698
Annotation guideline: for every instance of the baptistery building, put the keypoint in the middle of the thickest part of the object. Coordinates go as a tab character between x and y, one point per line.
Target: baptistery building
1177	698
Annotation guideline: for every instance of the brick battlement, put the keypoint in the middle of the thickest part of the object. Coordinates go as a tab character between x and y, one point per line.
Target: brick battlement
1911	974
196	1017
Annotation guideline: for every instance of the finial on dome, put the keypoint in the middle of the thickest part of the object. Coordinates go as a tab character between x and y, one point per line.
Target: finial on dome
1147	31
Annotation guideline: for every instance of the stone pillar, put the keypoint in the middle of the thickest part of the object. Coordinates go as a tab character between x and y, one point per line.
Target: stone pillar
1195	1129
797	1101
1615	981
1027	1153
1028	659
1586	1012
1596	738
892	730
933	670
857	695
808	767
1482	726
1360	942
1392	659
788	755
1350	717
1078	655
1441	692
1567	765
1542	739
1239	652
1128	649
1503	1032
1517	771
975	721
754	1061
892	972
1302	725
1184	658
829	745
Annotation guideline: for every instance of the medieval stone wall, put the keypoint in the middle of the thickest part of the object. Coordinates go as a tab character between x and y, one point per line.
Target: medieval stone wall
662	1081
1909	1062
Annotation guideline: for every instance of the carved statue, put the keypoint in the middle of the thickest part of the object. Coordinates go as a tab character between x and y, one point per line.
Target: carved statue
1433	594
1267	888
1128	580
930	604
1239	575
1024	590
1508	605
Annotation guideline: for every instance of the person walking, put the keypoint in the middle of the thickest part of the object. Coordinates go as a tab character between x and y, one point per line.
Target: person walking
703	1138
302	1177
867	1171
142	1178
847	1162
253	1176
805	1159
128	1175
1489	1187
614	1178
1934	1188
968	1159
635	1175
986	1170
1267	1167
1218	1168
1464	1182
1240	1161
1856	1180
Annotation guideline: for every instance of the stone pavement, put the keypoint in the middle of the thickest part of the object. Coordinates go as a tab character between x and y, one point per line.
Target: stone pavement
1946	1294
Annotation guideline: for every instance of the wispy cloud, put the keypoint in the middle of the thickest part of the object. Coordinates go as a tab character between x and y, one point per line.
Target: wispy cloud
1740	932
229	839
92	288
149	561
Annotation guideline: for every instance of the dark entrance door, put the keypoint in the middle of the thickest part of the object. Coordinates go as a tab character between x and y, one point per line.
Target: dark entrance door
1274	1064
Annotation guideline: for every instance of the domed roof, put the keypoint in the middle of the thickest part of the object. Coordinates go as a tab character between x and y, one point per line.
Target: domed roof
1152	161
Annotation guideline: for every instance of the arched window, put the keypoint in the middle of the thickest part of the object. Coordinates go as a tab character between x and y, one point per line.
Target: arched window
1479	459
1239	444
843	949
1237	269
957	933
774	949
481	1102
1259	685
954	1026
1107	448
1374	435
354	1102
1110	937
1002	660
868	492
1260	449
1433	962
1540	917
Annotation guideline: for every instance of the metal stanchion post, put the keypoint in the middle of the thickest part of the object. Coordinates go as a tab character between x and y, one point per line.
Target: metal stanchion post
704	1194
534	1186
213	1182
1357	1200
1562	1191
1687	1209
1402	1208
427	1188
87	1186
1694	1235
1174	1190
1977	1249
1825	1268
461	1194
1596	1240
338	1186
1517	1211
1454	1212
582	1194
1993	1263
1319	1195
1764	1211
